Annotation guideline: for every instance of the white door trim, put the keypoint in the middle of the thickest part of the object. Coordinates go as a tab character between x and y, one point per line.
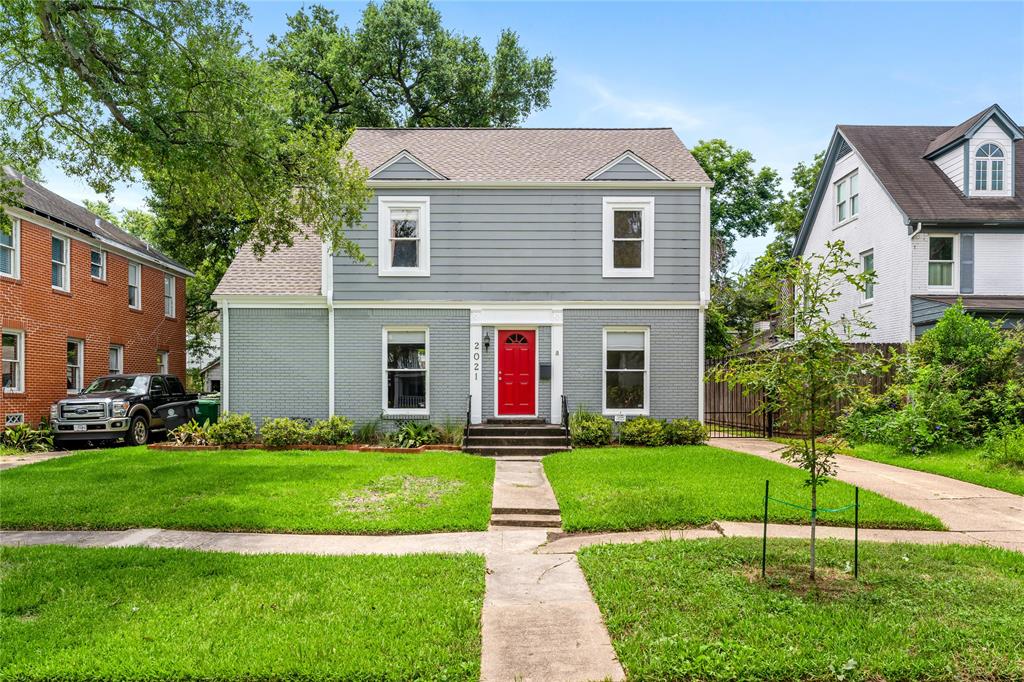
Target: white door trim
536	369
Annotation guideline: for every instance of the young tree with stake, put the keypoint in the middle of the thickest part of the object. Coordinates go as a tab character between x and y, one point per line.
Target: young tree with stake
804	381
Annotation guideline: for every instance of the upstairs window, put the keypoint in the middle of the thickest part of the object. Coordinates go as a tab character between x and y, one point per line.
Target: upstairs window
10	246
406	363
75	361
60	249
988	168
403	244
135	286
941	252
867	265
98	264
847	198
628	236
169	296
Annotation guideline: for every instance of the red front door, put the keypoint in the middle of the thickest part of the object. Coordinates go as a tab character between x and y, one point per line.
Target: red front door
517	377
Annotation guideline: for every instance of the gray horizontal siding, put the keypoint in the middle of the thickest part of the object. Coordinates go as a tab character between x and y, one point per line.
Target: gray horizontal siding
359	348
674	372
277	361
404	169
529	245
627	169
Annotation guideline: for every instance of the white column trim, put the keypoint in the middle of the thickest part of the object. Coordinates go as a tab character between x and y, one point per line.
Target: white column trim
476	363
700	365
556	368
225	367
331	353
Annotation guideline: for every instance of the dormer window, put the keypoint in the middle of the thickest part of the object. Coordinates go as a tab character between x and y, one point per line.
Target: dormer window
988	168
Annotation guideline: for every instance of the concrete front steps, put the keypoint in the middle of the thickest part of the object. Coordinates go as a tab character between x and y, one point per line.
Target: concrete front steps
515	438
526	518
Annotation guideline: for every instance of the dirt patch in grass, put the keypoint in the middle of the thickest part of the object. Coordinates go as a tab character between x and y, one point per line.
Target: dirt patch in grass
829	583
393	492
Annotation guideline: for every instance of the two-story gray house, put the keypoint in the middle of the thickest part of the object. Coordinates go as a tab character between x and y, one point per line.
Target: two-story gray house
507	268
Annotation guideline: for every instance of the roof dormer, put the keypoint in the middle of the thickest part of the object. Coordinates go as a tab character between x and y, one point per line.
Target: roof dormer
978	155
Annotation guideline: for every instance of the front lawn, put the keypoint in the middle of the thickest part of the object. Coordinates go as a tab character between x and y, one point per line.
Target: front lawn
963	464
637	488
698	610
251	490
76	614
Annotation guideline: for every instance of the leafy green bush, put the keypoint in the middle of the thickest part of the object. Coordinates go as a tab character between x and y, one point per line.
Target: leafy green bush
588	430
192	433
232	429
332	431
370	433
450	432
414	434
643	431
24	438
685	432
1004	447
282	432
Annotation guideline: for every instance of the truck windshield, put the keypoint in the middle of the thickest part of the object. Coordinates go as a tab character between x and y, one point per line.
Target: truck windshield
134	385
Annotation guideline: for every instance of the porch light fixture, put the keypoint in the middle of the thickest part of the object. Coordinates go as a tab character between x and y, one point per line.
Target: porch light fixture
487	341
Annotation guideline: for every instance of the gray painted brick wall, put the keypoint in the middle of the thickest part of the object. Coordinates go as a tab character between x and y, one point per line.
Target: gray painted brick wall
278	363
674	369
359	377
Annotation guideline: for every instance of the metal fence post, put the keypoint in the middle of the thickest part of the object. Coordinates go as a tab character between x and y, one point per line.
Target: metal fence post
856	528
764	534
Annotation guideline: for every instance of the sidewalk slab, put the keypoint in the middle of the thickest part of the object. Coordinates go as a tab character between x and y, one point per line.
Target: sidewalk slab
11	461
522	486
737	529
570	544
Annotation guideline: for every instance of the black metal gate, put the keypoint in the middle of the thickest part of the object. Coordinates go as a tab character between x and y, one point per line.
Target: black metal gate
731	413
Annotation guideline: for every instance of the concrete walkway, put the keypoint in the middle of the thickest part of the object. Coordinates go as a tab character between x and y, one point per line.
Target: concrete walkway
11	461
990	516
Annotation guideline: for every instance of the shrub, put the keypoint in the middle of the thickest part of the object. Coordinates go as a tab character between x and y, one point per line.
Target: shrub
414	434
643	431
232	429
332	431
282	431
685	432
450	432
26	439
587	429
1004	446
192	433
370	433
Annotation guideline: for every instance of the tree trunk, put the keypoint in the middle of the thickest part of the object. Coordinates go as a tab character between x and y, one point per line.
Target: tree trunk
814	483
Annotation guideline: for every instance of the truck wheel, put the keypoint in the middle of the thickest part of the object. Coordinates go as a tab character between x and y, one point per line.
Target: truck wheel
138	432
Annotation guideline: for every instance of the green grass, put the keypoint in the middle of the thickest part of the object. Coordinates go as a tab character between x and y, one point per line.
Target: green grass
127	614
251	490
637	488
963	464
697	610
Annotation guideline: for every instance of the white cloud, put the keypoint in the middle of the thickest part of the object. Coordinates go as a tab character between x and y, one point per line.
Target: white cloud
634	110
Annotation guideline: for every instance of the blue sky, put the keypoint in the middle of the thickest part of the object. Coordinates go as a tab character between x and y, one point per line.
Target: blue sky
774	78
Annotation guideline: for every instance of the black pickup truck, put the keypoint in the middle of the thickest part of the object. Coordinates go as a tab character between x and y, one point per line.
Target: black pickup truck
126	407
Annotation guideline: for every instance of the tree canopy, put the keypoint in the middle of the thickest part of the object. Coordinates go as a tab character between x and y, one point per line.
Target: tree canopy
402	67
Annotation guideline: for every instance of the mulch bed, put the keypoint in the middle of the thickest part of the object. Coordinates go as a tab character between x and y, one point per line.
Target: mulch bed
351	447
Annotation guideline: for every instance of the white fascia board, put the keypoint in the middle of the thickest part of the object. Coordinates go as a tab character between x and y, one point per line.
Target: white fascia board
645	185
97	240
632	157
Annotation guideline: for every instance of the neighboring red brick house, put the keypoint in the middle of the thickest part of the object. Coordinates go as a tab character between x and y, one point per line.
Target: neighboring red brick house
80	298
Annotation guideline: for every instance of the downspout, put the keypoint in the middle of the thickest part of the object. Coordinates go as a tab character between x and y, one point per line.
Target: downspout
910	299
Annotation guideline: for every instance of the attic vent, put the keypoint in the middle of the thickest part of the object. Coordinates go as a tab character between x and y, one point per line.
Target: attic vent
843	149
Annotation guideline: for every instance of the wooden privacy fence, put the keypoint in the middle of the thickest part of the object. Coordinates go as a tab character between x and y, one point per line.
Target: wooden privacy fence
732	412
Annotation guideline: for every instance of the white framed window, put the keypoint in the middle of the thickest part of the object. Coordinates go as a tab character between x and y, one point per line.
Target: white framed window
406	366
98	264
847	195
10	248
14	419
626	371
75	365
627	233
134	286
115	363
60	257
12	360
941	261
403	239
169	295
988	168
162	362
867	264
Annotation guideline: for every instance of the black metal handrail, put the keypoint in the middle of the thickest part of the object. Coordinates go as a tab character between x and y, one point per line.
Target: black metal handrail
565	414
469	416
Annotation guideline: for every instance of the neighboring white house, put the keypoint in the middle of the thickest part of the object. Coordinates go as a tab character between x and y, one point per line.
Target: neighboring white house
937	212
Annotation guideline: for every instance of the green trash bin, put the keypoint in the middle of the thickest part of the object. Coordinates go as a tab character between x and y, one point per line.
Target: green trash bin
208	408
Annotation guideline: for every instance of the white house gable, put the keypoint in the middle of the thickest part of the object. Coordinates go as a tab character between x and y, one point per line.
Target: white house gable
952	164
991	166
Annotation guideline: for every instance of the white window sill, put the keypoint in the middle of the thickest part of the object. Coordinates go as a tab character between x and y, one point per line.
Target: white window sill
4	275
942	290
849	220
13	391
627	274
406	413
626	413
404	273
61	290
867	304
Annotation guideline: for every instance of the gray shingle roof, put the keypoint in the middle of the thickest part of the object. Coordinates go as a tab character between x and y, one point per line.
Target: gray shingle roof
921	190
37	199
994	304
526	154
289	271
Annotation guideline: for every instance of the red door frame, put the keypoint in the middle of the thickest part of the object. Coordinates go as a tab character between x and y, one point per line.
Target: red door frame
516	374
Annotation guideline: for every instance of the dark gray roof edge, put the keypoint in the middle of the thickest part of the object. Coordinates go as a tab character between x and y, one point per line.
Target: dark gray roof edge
1003	119
831	156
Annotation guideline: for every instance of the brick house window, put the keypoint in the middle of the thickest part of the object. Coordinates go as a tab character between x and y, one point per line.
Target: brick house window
169	295
626	367
161	362
115	365
76	357
134	286
98	264
10	246
406	358
59	251
12	352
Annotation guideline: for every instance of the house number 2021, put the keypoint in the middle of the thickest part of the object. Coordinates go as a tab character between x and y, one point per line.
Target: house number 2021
476	361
